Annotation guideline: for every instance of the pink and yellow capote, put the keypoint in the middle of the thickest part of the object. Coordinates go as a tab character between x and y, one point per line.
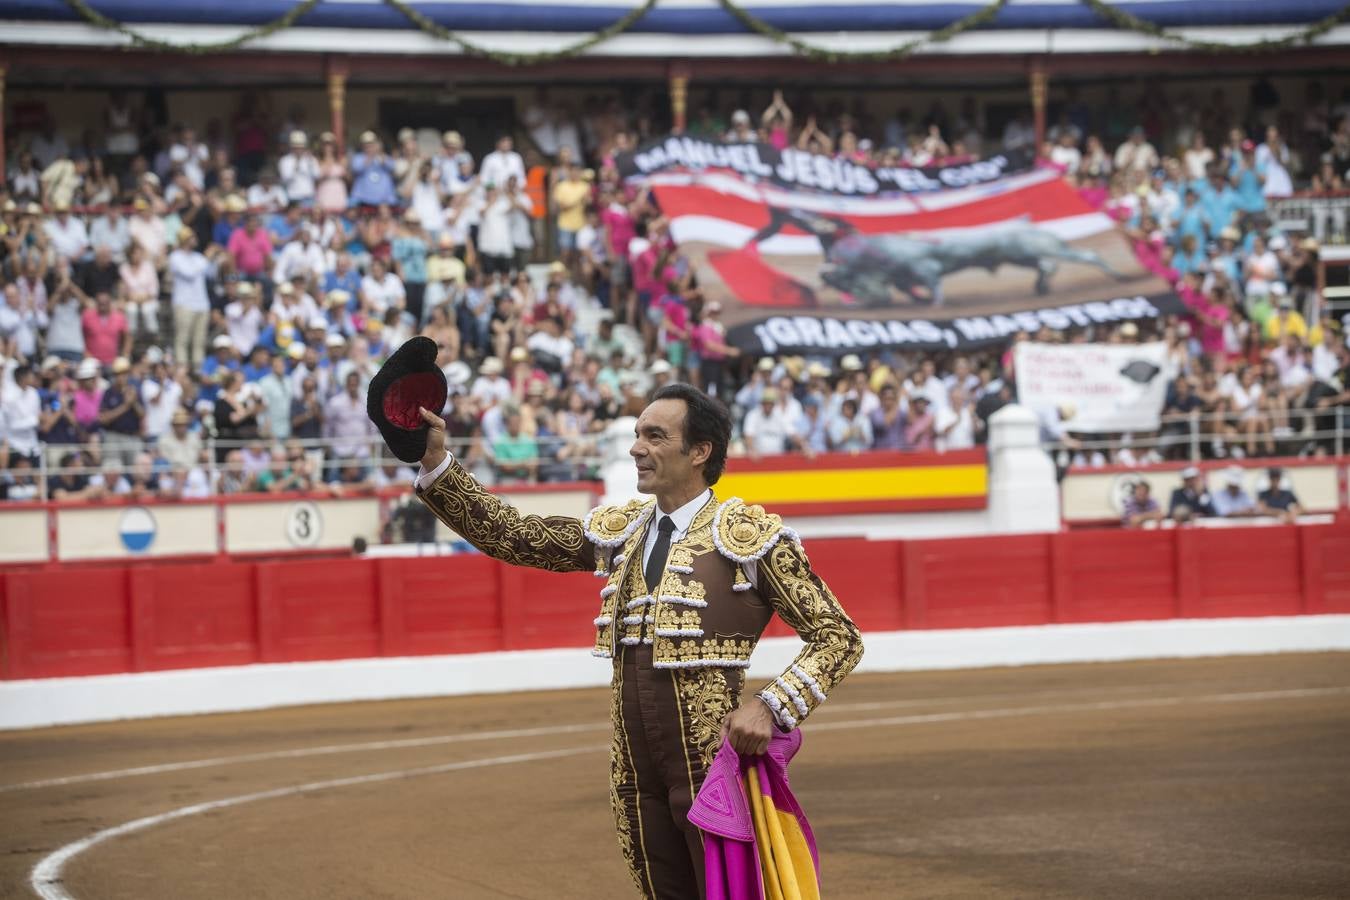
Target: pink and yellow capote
757	843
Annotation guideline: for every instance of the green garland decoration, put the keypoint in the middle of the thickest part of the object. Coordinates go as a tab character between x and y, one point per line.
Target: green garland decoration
436	30
982	16
1130	22
141	42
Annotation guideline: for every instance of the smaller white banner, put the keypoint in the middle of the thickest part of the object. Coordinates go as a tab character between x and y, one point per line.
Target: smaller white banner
1096	387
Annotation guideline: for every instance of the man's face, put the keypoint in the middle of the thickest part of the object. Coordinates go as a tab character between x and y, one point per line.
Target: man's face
658	449
353	384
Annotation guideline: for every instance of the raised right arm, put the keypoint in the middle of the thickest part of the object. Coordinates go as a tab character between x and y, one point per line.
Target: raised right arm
555	543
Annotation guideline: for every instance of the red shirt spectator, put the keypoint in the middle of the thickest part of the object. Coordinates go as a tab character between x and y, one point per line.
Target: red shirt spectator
251	251
104	334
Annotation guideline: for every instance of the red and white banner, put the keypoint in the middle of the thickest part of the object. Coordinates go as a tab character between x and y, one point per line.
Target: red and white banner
805	272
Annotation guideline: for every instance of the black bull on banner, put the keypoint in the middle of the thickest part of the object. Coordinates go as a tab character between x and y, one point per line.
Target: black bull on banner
808	272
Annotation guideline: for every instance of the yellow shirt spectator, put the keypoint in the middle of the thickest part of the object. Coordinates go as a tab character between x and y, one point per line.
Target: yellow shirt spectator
569	197
1289	321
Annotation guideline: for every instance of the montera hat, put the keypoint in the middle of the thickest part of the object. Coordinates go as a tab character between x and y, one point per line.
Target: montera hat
409	379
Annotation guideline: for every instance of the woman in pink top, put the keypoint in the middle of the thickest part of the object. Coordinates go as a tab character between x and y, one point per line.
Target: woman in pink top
88	396
331	194
140	287
777	120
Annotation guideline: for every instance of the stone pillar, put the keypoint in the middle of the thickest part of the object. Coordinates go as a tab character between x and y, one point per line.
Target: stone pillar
4	166
679	98
1040	83
1023	490
336	70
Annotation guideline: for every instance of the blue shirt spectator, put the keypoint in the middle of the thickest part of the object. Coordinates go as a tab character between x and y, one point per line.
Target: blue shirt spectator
372	176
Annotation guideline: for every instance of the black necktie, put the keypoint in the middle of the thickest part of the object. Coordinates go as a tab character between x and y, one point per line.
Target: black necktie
656	563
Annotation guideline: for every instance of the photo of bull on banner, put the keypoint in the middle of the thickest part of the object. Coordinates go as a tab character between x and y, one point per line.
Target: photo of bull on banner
815	255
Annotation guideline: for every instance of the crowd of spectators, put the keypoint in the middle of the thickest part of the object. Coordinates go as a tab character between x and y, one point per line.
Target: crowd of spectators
189	313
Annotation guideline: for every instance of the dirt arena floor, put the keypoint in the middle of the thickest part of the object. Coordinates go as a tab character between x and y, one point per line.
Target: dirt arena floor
1205	778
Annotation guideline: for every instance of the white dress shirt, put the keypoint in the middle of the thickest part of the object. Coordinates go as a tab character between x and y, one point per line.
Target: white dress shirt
682	517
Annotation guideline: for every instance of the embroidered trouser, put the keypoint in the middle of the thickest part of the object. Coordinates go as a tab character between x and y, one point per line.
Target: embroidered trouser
667	725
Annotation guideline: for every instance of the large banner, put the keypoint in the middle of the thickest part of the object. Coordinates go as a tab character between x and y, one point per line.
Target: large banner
1103	387
815	171
806	272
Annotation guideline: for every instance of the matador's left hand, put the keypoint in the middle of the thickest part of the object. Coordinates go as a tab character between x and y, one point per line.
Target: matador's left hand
749	728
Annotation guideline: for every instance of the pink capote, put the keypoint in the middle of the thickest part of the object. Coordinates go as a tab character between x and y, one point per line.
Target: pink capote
722	811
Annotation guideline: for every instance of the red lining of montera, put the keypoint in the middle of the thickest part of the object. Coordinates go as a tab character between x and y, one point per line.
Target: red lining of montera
407	394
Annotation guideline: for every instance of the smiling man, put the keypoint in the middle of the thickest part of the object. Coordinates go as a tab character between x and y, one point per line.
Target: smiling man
690	583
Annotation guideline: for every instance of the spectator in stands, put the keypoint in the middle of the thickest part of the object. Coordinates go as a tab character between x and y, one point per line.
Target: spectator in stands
160	396
180	446
1192	499
191	303
347	426
766	429
919	426
20	416
1233	501
503	163
954	427
1278	500
236	415
372	173
515	451
121	415
105	332
888	420
849	430
299	171
1140	507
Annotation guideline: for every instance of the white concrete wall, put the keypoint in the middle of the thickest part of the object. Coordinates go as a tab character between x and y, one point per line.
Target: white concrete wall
66	701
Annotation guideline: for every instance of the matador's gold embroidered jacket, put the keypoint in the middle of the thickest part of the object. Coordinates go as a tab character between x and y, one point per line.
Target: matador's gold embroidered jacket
705	612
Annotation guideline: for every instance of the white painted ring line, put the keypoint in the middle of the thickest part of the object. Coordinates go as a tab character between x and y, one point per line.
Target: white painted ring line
46	875
542	731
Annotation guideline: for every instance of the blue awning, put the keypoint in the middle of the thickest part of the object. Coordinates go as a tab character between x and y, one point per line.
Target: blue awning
39	21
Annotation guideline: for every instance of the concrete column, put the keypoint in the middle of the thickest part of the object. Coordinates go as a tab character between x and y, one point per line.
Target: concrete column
336	72
1040	84
4	166
1023	492
679	98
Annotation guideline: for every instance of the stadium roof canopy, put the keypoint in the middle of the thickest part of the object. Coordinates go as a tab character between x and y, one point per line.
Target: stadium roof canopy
676	28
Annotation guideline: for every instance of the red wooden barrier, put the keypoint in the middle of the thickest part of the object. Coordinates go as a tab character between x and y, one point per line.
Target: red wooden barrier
149	616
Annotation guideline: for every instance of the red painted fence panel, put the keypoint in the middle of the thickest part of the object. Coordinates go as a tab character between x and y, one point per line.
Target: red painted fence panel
1114	576
93	620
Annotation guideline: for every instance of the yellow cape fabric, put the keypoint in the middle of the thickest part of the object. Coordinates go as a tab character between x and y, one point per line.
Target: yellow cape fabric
784	858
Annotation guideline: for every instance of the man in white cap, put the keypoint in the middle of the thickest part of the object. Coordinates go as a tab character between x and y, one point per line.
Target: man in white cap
299	170
662	374
1192	499
765	428
244	317
741	131
1233	502
490	387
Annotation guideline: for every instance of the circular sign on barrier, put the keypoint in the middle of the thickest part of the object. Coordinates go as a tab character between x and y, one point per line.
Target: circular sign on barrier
136	528
304	524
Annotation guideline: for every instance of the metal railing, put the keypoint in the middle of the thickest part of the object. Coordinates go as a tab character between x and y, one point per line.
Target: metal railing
1323	216
1205	436
296	464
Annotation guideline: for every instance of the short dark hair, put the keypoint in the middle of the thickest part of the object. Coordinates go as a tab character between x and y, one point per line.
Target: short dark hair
705	419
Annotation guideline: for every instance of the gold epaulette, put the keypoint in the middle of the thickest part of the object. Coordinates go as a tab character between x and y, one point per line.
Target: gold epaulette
610	526
745	533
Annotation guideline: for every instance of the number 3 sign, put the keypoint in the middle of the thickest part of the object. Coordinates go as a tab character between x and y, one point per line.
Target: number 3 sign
304	524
